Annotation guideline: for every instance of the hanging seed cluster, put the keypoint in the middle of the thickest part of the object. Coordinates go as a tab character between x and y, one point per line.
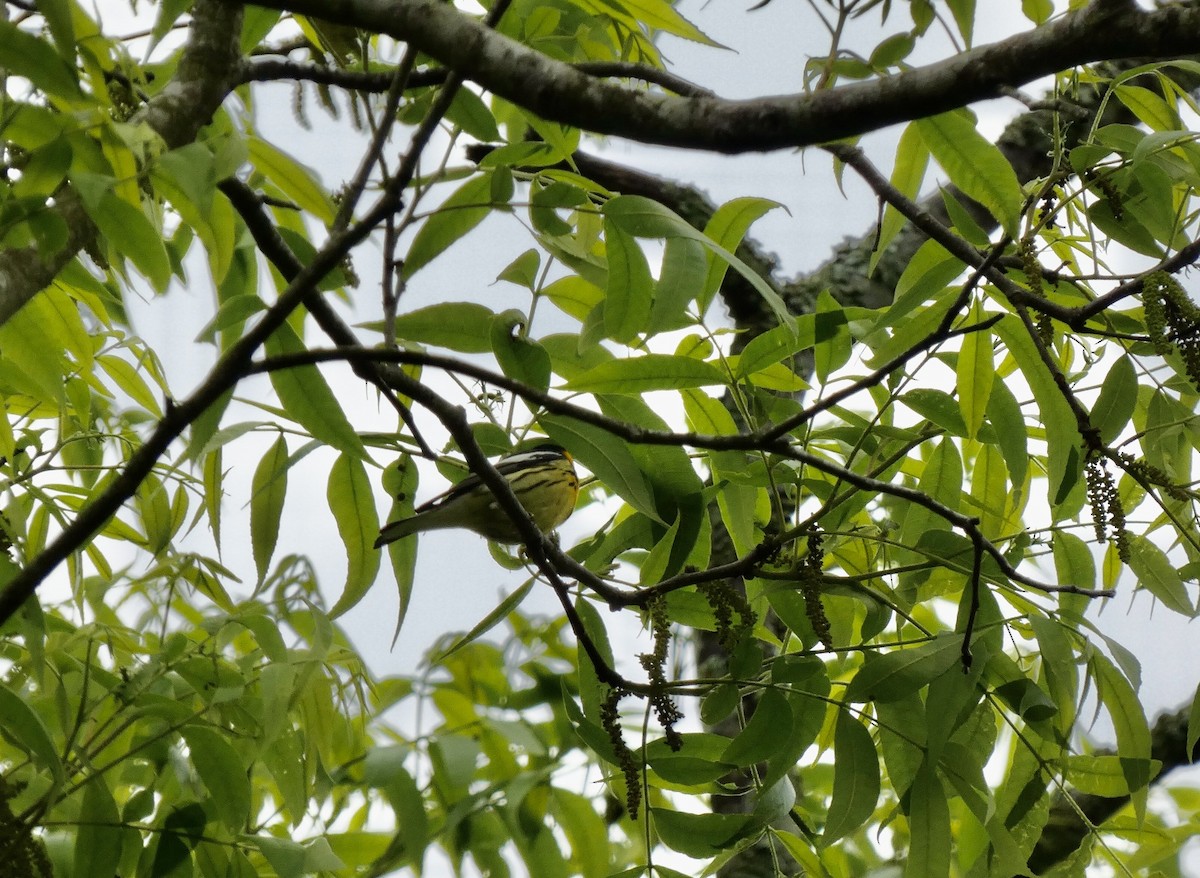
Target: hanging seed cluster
1108	515
725	600
654	664
610	720
1033	276
1173	321
810	586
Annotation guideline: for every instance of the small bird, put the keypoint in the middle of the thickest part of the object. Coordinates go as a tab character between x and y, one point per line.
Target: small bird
542	477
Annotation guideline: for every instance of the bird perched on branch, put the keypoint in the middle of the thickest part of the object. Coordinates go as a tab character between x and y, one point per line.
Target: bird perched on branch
543	479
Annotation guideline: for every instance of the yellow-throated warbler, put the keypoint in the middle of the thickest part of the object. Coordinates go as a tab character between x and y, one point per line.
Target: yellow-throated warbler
542	477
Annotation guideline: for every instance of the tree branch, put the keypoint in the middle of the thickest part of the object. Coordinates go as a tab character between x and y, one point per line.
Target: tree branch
286	70
557	91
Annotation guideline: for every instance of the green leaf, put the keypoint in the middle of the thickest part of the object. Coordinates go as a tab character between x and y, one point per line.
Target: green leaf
1062	433
929	827
180	833
586	831
976	372
546	201
294	180
1074	563
44	171
727	227
638	375
696	763
1004	414
964	18
99	840
268	490
58	15
307	398
154	510
607	457
284	759
941	480
353	506
26	728
855	778
577	297
1149	107
459	326
911	332
655	564
1125	226
401	479
974	165
128	230
901	672
285	856
764	734
990	491
466	208
128	378
892	51
223	772
833	351
29	345
469	112
1106	776
1129	721
1114	405
1027	699
1054	641
908	173
678	491
1193	728
680	281
659	15
630	290
319	857
205	428
738	503
648	219
23	54
232	313
700	835
938	407
927	274
962	221
495	616
523	270
333	279
520	357
781	343
1037	11
1158	575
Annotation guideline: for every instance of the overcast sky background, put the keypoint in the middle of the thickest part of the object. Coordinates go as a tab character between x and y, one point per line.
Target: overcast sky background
457	581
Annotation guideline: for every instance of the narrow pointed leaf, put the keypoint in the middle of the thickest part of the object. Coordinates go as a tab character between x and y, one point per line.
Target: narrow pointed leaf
352	503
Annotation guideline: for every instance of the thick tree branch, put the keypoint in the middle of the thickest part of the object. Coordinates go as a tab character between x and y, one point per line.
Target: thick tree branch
286	70
557	91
